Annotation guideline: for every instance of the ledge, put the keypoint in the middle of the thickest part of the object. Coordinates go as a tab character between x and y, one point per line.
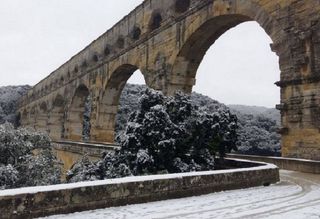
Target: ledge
106	146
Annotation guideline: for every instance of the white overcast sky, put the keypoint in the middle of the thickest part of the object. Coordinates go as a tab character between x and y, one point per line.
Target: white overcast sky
37	36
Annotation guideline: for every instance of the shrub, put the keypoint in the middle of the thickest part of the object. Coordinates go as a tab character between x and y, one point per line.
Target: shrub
26	158
166	134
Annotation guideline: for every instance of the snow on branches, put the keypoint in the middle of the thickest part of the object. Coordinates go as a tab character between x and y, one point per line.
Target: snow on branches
166	135
26	158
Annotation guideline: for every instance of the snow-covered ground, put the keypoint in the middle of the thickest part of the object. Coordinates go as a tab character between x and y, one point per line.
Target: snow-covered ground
296	196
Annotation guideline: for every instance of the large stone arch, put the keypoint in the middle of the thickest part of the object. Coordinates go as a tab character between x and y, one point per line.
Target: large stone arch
292	44
198	37
75	113
57	118
33	117
24	119
109	101
42	117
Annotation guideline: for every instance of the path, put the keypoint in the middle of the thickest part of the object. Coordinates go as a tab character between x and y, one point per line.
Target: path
296	196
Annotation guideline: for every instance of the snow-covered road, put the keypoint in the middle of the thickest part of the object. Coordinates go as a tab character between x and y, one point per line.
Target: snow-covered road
296	196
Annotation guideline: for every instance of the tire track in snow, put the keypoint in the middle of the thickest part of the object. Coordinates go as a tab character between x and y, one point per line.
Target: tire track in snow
310	183
239	207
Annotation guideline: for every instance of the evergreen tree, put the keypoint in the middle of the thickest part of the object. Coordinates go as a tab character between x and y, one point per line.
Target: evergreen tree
165	135
26	158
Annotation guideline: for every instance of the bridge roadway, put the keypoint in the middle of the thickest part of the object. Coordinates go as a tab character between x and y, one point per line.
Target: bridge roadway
296	196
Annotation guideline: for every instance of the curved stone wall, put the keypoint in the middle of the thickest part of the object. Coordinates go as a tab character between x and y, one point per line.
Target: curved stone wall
58	199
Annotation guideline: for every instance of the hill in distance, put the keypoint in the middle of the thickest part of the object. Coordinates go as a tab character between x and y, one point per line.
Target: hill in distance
270	113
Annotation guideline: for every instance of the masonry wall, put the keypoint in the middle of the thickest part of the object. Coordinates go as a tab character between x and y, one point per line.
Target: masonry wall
71	152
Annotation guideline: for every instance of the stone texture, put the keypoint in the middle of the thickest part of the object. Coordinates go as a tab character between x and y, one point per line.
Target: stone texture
166	40
71	152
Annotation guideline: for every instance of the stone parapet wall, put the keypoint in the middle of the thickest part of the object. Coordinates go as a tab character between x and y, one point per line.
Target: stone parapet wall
70	152
301	165
91	149
49	200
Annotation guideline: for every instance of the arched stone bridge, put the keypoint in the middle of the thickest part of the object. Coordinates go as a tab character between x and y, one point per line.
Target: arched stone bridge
166	40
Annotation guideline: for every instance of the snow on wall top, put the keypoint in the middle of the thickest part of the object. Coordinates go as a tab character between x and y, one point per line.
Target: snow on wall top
33	190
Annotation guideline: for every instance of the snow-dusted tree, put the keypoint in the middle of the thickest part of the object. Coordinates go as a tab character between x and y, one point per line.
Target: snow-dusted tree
40	169
9	96
257	126
82	170
8	176
128	104
167	134
26	158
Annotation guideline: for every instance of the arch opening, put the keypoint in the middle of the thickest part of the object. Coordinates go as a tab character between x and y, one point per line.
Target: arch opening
76	118
120	42
61	80
155	22
200	55
84	64
76	69
42	118
32	117
108	114
56	119
107	50
24	119
135	33
195	47
242	56
95	58
17	121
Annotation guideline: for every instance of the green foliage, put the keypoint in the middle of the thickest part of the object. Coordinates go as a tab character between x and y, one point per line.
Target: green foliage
257	126
166	134
83	170
8	176
26	158
258	136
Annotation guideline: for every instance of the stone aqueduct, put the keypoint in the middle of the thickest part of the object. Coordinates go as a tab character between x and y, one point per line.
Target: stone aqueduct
166	40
